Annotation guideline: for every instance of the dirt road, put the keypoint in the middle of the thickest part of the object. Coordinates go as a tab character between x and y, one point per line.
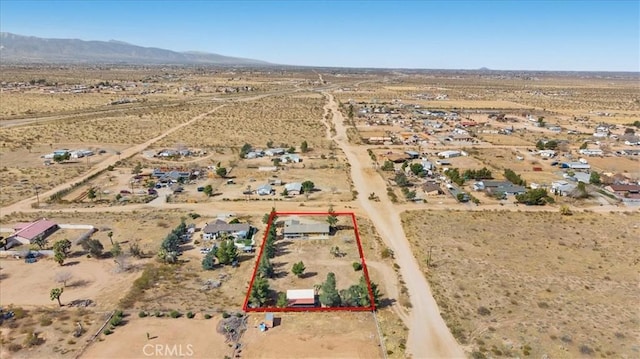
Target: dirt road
429	336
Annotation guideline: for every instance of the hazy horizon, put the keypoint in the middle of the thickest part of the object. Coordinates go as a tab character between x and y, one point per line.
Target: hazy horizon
509	36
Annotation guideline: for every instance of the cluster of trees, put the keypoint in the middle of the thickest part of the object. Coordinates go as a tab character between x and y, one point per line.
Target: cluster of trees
483	173
226	254
93	246
547	145
170	246
61	158
514	177
418	170
454	175
356	295
387	166
534	197
401	180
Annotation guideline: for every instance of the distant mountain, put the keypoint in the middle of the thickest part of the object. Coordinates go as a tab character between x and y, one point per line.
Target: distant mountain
29	49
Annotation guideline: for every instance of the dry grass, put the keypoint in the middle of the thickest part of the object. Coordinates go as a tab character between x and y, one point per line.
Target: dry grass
550	285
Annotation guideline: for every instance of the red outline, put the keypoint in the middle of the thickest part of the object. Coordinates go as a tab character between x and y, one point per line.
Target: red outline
365	271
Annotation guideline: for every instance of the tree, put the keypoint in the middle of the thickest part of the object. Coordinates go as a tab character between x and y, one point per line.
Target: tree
209	260
61	158
63	246
40	241
298	269
282	300
291	150
91	194
534	197
307	187
285	192
387	166
276	161
208	190
116	250
565	210
329	296
265	218
583	146
59	257
540	145
137	169
110	235
93	246
514	177
270	144
401	179
55	294
304	147
134	250
418	170
594	178
227	253
259	292
332	219
221	172
63	277
265	269
246	148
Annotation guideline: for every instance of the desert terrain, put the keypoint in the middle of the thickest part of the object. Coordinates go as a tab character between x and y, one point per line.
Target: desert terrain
463	270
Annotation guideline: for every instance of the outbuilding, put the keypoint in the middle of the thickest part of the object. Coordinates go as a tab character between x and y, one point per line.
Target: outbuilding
301	298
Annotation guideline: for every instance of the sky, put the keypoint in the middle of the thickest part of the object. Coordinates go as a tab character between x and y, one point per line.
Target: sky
501	35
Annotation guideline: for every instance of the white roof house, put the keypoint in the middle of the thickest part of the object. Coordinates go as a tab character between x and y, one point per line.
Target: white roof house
301	297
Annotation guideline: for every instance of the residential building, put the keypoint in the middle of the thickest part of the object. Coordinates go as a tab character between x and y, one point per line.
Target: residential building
293	228
219	228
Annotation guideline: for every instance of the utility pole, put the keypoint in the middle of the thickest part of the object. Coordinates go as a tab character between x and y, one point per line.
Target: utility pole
37	195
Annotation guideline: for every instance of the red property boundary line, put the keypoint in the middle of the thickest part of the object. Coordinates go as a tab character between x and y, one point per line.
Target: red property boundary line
365	271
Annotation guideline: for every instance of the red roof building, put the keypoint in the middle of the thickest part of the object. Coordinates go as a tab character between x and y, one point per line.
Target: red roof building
27	232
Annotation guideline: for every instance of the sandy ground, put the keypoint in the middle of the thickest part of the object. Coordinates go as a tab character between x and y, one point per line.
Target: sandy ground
428	333
313	335
170	338
29	284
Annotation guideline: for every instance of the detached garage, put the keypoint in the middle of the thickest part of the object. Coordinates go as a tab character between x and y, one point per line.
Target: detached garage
301	298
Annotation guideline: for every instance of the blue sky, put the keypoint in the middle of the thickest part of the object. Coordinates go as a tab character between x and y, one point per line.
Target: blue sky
506	35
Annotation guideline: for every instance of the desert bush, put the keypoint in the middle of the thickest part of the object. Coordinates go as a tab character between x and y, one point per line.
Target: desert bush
207	316
107	331
190	315
483	311
175	314
225	315
142	314
357	266
45	321
158	314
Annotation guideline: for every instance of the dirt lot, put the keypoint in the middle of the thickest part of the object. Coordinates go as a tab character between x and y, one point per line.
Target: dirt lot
171	337
314	335
562	289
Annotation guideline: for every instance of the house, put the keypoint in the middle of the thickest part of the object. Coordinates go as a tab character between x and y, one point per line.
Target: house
591	152
219	227
290	158
294	229
449	154
562	188
301	297
26	233
412	154
274	152
294	188
547	153
625	191
264	190
427	166
505	187
443	162
575	165
556	129
432	189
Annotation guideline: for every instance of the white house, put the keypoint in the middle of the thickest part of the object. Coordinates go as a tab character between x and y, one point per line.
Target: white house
591	152
449	154
294	188
264	190
547	153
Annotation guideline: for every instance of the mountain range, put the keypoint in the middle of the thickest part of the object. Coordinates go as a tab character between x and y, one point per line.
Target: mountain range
29	49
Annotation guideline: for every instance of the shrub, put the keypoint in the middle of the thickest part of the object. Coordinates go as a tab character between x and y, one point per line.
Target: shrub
158	314
71	341
207	316
14	347
357	266
142	314
175	314
45	321
107	331
386	253
190	314
115	321
483	311
225	315
239	315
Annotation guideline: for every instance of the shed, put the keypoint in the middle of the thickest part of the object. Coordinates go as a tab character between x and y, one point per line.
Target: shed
301	297
268	320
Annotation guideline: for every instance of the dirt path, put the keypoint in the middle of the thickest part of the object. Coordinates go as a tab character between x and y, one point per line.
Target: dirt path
429	336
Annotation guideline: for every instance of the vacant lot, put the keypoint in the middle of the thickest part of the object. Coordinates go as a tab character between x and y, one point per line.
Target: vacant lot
172	337
512	284
313	335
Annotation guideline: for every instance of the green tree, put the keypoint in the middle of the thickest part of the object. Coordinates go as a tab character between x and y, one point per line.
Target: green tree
209	260
259	292
417	169
307	186
55	294
298	269
332	219
246	148
63	246
540	145
61	158
291	150
137	169
59	257
329	296
227	253
304	147
284	192
116	250
534	197
387	166
401	179
208	190
514	177
276	161
110	235
40	241
93	246
91	194
221	172
583	145
594	178
265	217
265	269
166	256
282	300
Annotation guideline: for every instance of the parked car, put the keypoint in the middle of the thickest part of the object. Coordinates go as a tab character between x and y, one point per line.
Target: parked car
124	191
200	189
